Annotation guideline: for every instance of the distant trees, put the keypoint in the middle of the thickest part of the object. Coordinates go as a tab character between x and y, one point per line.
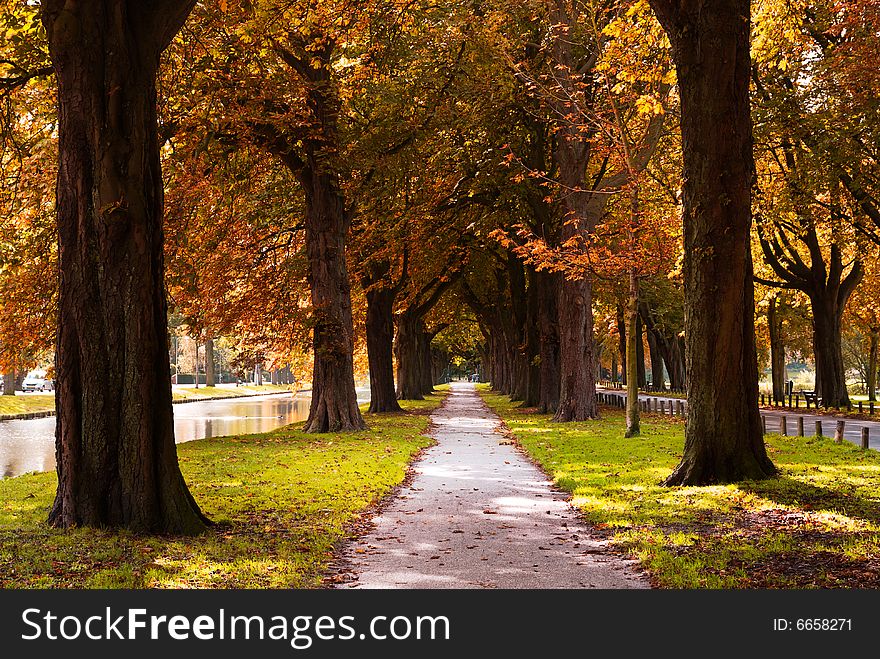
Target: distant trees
352	185
814	208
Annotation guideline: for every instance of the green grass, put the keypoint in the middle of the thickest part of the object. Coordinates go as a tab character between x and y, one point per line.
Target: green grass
204	393
817	525
46	402
282	502
27	404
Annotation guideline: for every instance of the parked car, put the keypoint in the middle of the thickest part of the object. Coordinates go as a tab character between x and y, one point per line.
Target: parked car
36	383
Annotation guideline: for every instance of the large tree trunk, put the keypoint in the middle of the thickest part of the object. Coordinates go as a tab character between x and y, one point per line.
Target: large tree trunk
640	354
548	327
577	394
517	324
9	383
777	351
426	362
334	405
673	355
828	350
577	215
633	422
409	360
210	370
656	346
723	439
116	457
380	347
533	343
658	383
621	341
872	363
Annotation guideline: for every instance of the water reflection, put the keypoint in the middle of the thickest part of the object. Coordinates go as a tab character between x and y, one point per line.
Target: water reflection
29	445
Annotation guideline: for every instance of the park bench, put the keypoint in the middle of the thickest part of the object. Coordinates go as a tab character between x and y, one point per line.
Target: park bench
811	397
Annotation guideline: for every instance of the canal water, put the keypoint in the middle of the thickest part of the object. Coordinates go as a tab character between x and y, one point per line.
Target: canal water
29	445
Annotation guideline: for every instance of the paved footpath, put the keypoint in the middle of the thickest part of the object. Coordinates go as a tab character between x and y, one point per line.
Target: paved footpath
478	514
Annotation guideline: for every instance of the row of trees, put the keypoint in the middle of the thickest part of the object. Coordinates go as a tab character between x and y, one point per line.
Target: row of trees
368	185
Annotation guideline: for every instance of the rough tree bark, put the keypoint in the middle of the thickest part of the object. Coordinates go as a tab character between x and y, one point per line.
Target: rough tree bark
777	351
381	295
828	348
620	317
518	304
710	45
210	370
411	346
9	383
657	381
334	405
548	330
633	422
661	354
427	370
116	457
380	349
829	288
577	394
410	328
312	157
641	368
533	342
872	363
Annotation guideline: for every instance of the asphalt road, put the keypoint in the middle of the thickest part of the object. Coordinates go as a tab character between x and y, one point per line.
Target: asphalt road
852	429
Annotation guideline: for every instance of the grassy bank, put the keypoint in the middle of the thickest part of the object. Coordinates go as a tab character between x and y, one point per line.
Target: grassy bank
817	525
282	501
206	393
27	404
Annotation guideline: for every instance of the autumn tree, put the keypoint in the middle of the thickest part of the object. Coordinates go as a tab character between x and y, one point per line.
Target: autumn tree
792	246
811	227
710	46
117	461
574	159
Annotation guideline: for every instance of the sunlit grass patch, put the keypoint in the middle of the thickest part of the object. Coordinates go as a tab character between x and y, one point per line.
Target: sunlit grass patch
817	525
207	393
282	501
27	404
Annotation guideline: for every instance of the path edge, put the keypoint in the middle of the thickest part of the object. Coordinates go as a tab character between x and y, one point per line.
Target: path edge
363	522
634	563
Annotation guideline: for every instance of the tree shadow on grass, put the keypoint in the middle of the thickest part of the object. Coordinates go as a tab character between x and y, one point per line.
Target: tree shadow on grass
791	492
